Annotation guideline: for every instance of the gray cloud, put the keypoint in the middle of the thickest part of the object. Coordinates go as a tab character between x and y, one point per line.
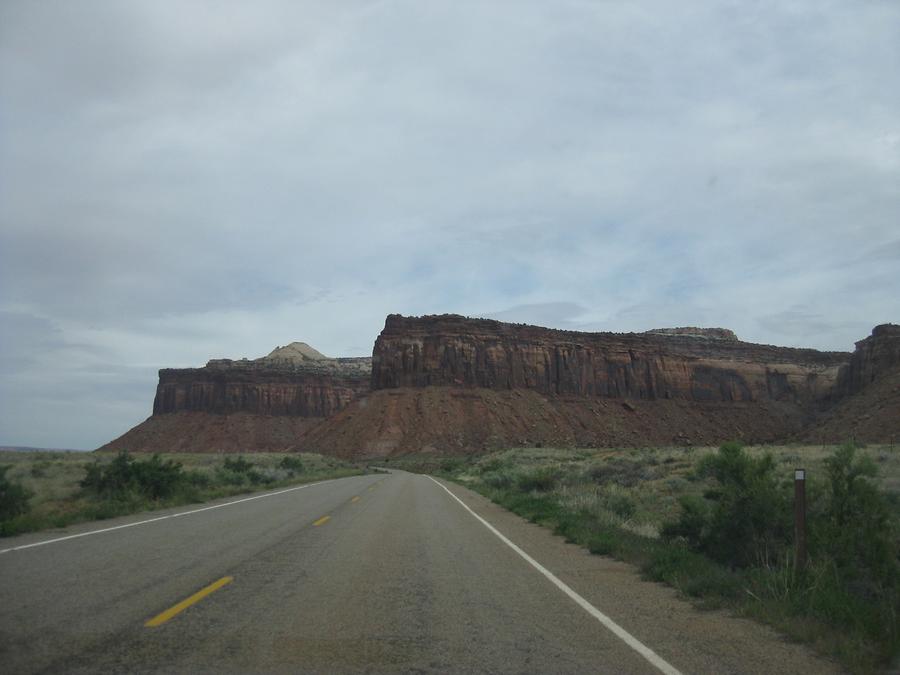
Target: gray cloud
182	181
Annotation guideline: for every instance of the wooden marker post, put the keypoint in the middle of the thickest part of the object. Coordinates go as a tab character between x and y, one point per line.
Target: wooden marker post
800	517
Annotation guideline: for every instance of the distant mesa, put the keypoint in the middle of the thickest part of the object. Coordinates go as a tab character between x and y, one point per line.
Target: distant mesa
296	352
450	384
709	333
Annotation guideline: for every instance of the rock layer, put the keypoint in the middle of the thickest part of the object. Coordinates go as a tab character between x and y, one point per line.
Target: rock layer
451	350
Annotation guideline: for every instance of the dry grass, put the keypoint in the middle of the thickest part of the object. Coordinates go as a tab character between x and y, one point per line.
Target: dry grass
57	498
604	482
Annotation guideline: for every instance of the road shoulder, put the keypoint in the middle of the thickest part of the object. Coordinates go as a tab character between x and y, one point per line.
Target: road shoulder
690	639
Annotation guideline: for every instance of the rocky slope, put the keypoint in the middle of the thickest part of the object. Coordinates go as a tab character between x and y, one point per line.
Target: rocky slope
867	394
210	432
459	420
871	415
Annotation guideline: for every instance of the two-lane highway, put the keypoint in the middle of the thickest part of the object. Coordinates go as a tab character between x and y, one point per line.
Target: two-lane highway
378	573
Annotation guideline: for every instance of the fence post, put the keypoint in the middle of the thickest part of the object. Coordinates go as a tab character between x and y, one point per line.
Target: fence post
800	517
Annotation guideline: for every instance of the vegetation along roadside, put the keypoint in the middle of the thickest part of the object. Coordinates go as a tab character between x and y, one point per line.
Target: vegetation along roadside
40	490
717	524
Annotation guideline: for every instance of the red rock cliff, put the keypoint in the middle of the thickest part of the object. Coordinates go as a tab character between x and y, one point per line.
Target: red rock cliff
874	357
689	364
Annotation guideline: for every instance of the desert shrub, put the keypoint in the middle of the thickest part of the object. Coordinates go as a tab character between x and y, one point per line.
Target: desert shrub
745	518
39	469
855	528
13	496
619	503
498	479
542	479
619	471
238	464
197	479
491	465
158	478
239	471
692	524
452	464
154	478
292	465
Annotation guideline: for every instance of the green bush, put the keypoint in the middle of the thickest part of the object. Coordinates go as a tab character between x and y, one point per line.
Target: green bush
693	523
39	469
854	537
745	519
13	497
497	479
620	504
452	465
239	471
197	479
856	528
542	479
292	465
154	478
619	471
238	465
491	465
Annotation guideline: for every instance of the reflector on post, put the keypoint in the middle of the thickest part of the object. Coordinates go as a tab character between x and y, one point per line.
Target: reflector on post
800	517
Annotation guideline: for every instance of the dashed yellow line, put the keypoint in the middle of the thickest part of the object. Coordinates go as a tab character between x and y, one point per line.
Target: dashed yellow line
187	602
354	500
321	521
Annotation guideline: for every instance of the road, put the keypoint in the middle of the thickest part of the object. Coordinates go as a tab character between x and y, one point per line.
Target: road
375	573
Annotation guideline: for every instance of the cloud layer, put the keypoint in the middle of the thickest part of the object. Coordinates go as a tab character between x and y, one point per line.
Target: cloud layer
181	181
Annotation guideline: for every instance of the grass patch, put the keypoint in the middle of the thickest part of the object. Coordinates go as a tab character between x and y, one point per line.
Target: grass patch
56	489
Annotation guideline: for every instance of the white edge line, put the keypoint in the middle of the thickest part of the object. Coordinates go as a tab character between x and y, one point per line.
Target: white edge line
153	520
615	628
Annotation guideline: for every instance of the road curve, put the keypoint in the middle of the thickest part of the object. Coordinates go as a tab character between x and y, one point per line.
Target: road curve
377	573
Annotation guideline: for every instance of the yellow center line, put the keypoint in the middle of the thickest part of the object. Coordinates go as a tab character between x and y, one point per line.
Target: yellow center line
354	500
187	602
321	521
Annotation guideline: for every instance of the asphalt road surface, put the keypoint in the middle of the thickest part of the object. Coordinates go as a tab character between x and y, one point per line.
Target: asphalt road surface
376	573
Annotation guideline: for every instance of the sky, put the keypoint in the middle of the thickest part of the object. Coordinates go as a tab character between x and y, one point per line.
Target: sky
184	180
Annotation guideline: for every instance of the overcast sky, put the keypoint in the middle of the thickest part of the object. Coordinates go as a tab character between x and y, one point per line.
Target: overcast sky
185	180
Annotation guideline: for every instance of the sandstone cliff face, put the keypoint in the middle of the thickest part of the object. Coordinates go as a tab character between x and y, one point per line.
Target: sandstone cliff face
686	364
299	383
875	356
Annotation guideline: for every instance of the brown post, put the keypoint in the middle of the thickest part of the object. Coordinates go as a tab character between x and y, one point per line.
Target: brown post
800	516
